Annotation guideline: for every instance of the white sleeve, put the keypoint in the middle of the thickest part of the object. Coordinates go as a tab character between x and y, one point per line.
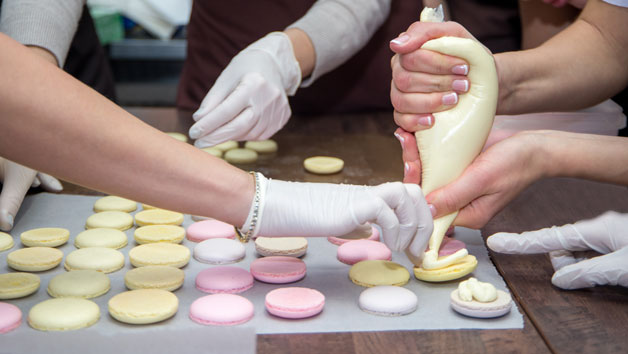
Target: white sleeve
621	3
49	24
339	29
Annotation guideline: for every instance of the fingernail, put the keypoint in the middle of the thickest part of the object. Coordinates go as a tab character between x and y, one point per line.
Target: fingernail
425	121
432	209
55	185
400	138
450	99
401	39
6	221
406	168
460	69
460	85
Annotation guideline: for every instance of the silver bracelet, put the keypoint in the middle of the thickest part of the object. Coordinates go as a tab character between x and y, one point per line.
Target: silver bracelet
244	238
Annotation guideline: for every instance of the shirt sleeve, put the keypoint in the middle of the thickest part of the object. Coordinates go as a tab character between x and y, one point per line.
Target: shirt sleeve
621	3
49	24
339	29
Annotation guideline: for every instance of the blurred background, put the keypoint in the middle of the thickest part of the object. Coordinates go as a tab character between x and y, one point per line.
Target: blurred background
146	46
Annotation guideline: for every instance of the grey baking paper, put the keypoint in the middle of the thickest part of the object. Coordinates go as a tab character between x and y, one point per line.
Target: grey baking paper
324	273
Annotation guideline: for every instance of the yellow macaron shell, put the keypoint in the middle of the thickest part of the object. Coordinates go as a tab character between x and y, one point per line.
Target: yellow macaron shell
158	217
34	259
17	285
6	241
79	283
45	237
143	306
159	233
110	219
168	254
154	277
101	237
100	259
114	203
378	272
455	271
63	314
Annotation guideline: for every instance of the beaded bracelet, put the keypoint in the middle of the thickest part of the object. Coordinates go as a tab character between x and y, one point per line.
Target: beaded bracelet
244	238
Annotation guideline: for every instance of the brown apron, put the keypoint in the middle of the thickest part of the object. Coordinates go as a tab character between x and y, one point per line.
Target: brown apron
218	30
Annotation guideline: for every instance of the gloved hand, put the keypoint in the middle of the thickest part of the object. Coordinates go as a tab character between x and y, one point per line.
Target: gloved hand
605	234
323	209
249	99
16	180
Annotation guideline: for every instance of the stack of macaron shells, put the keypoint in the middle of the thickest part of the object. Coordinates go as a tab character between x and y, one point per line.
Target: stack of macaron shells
278	269
366	231
209	229
360	250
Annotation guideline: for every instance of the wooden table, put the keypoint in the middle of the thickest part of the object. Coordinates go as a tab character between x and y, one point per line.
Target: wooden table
582	321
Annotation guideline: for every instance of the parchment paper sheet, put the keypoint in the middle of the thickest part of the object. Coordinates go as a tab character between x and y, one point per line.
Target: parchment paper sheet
325	273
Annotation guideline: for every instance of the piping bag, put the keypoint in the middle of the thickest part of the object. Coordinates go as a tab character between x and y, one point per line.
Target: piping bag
458	134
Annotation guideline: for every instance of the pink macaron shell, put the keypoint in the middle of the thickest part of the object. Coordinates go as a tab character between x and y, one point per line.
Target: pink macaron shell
224	280
221	310
450	246
206	229
339	241
361	250
10	317
295	302
278	269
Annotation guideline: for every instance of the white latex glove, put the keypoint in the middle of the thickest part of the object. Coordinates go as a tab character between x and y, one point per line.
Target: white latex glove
323	209
16	180
249	99
606	234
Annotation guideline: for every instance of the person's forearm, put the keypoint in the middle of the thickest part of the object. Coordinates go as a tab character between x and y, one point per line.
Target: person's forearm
55	124
303	50
594	157
579	67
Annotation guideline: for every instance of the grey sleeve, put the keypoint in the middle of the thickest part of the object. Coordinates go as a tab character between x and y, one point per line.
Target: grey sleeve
49	24
339	29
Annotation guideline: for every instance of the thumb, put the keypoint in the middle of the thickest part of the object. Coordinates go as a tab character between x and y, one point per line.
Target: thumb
17	181
49	183
420	32
457	194
609	269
